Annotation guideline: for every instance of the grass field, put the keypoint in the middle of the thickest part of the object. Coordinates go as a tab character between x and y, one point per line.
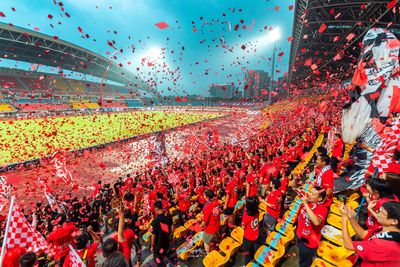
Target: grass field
27	139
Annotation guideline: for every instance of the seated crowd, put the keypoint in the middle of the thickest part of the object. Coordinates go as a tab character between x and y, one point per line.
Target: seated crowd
108	228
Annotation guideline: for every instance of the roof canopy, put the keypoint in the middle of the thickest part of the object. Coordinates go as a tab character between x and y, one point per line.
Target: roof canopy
33	47
327	34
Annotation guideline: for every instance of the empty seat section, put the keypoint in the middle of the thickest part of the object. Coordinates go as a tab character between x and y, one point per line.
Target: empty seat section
4	107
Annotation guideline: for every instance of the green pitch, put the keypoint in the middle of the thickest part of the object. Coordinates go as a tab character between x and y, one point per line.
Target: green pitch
27	139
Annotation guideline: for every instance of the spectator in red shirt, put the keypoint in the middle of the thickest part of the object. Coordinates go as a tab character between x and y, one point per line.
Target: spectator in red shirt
85	250
264	176
310	221
379	192
111	245
211	219
337	152
251	183
231	197
325	178
273	202
383	248
251	229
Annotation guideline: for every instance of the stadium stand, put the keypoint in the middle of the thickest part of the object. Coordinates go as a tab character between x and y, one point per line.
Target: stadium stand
4	107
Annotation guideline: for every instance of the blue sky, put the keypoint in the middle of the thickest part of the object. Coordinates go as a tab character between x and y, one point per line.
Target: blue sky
200	46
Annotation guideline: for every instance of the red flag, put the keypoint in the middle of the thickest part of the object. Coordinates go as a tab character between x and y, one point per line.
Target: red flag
61	171
21	234
74	258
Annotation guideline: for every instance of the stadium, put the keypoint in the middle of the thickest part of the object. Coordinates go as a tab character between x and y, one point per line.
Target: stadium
263	134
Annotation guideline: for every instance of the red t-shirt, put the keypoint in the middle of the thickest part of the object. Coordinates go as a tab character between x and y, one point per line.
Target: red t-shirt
89	260
306	229
337	150
232	191
250	226
326	180
251	179
211	216
200	192
274	199
264	175
378	252
284	184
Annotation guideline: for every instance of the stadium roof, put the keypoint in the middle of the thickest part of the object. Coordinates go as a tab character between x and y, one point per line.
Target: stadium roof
29	46
334	48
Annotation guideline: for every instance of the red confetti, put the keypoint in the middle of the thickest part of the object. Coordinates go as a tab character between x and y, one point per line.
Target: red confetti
322	28
290	38
2	14
391	4
276	8
162	25
350	36
291	7
50	16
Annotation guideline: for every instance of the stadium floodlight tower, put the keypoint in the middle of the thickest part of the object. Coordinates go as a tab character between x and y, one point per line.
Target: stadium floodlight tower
273	36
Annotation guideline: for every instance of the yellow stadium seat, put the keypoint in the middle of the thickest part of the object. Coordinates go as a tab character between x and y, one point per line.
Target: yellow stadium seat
229	246
180	231
271	258
318	262
288	227
336	221
215	259
332	253
335	207
5	107
252	264
237	234
262	206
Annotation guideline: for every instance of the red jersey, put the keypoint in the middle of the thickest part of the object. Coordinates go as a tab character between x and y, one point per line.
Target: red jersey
200	192
378	252
337	149
251	179
86	254
264	175
325	179
284	184
250	226
274	199
232	191
306	229
211	217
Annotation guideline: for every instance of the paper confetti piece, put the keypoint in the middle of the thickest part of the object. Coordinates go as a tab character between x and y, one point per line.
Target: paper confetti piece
391	4
162	25
350	36
290	7
2	14
322	28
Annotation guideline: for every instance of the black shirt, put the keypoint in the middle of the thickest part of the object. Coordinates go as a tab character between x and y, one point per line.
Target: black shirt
162	228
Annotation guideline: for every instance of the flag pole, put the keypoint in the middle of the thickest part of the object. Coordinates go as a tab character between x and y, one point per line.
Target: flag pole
3	247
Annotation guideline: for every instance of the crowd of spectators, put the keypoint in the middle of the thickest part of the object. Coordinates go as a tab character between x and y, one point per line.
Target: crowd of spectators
107	227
